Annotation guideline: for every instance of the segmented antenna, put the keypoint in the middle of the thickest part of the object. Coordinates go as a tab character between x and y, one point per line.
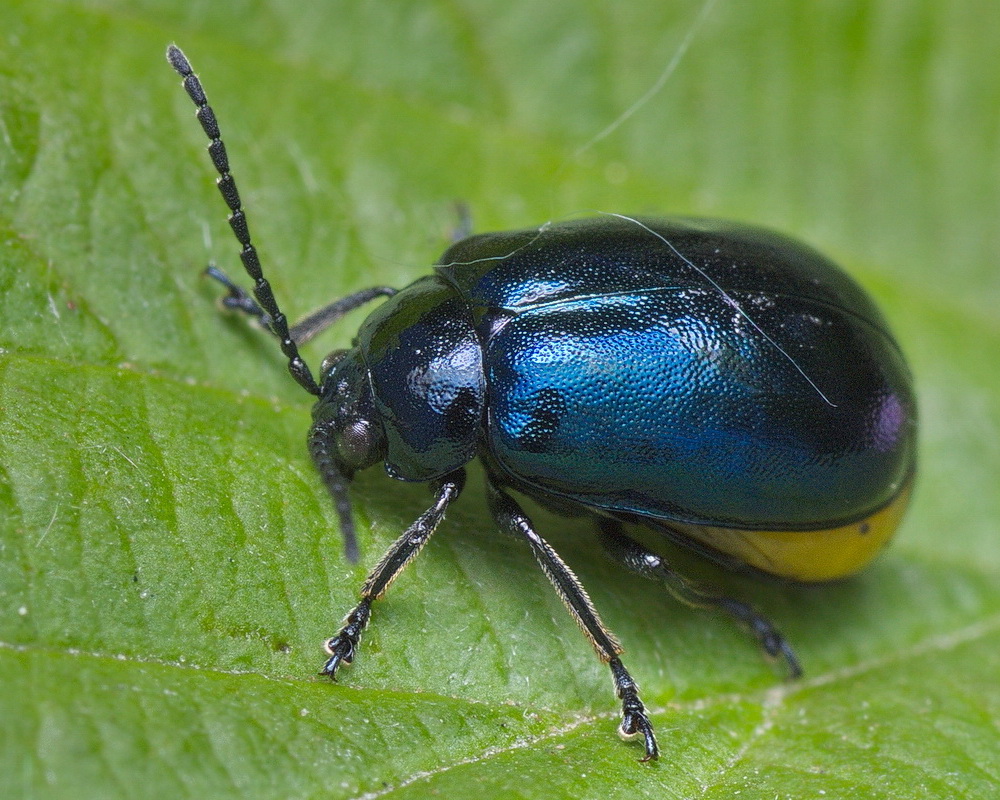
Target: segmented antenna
238	222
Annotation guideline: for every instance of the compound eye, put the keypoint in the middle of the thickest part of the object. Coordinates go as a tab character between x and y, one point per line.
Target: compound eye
356	443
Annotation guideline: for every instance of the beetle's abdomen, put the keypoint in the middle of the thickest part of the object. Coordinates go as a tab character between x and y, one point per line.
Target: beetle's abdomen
808	556
753	411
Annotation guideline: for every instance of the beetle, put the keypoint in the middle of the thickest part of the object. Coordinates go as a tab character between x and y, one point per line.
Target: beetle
724	385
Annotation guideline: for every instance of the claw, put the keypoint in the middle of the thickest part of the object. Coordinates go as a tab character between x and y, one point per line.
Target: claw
636	722
237	298
634	719
341	647
341	651
775	645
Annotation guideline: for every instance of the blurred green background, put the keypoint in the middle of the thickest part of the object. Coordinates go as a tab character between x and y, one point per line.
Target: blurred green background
169	563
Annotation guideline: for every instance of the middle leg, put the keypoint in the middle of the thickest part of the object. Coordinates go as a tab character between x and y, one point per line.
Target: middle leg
514	521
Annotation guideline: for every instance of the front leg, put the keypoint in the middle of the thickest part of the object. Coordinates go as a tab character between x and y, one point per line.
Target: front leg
342	647
237	298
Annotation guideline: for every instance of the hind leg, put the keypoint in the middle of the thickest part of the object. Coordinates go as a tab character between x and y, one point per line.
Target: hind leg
637	558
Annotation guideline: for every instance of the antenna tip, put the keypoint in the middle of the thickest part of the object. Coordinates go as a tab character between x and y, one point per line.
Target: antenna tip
178	60
351	552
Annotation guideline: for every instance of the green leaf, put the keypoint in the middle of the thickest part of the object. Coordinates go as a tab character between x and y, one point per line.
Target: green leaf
169	562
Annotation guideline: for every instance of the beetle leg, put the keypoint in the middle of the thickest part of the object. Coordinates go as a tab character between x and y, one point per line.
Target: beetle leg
514	521
239	299
341	648
321	319
627	551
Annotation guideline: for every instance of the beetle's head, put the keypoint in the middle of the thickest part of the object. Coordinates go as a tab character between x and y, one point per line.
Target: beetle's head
346	434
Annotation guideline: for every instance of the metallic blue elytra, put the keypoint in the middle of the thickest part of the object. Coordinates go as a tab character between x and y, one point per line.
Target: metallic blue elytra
722	384
686	370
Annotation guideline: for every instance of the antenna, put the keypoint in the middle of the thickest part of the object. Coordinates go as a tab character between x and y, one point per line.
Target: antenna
277	321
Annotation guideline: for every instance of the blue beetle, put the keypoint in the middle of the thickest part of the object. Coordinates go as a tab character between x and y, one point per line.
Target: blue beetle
722	384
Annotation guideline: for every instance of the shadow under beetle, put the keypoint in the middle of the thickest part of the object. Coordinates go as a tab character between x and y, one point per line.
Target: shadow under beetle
722	384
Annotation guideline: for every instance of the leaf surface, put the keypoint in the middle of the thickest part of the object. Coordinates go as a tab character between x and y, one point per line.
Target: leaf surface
169	562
